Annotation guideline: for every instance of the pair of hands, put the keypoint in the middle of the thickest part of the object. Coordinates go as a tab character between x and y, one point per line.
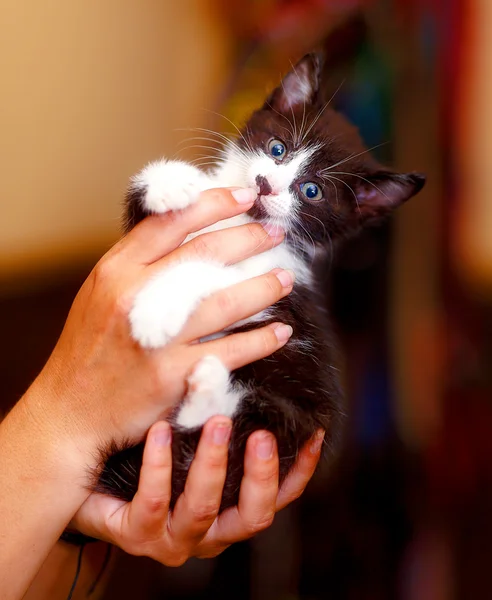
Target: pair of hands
103	387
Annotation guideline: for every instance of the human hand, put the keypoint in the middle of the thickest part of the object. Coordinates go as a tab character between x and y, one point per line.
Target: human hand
99	386
145	527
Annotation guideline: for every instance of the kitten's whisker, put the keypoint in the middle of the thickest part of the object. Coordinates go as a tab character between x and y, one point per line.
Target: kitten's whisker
334	185
223	136
235	127
354	156
295	137
347	185
220	155
322	110
363	179
310	238
336	91
289	131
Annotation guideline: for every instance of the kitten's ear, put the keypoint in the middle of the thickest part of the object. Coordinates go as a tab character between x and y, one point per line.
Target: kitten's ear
384	191
298	88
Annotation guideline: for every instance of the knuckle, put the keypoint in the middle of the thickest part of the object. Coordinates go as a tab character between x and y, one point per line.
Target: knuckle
202	247
267	477
123	304
256	231
234	349
268	340
226	302
157	504
272	285
205	512
103	271
293	495
218	196
254	527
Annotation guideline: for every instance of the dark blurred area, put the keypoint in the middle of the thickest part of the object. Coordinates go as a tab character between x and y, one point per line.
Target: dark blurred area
406	510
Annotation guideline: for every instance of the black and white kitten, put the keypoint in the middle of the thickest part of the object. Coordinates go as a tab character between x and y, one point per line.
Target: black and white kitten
315	179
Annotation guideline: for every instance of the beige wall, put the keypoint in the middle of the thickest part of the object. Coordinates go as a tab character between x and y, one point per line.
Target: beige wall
90	90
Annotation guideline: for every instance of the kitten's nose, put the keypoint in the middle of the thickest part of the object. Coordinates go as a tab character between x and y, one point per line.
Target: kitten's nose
264	187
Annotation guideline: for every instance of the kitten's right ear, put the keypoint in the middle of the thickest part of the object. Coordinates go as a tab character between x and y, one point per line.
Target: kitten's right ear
299	87
379	194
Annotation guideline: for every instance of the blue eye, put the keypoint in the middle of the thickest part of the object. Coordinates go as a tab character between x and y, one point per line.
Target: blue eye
277	149
311	191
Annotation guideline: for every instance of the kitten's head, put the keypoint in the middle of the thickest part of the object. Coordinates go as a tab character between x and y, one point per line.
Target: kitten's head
313	174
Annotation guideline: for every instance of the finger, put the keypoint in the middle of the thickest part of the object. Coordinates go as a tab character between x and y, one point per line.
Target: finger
225	246
297	480
257	497
157	235
239	349
174	364
197	508
100	517
237	302
148	511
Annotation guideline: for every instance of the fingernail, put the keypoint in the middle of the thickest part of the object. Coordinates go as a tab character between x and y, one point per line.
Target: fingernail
318	442
244	195
162	437
286	278
264	446
221	433
283	332
273	230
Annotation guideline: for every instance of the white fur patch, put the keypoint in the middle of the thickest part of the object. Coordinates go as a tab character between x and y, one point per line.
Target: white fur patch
280	175
170	185
164	304
209	393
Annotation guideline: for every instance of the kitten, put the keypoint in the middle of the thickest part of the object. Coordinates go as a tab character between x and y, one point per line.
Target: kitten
316	180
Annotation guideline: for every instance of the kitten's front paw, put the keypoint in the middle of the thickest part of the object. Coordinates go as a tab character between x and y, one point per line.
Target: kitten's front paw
169	185
155	322
162	307
160	310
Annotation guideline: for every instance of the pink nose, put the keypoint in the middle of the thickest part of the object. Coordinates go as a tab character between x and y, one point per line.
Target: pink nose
264	187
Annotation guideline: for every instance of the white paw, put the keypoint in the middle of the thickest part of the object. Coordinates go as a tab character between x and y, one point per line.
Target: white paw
208	375
156	317
169	185
162	307
209	394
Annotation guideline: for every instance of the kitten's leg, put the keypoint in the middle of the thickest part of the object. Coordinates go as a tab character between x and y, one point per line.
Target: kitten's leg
166	185
210	393
163	305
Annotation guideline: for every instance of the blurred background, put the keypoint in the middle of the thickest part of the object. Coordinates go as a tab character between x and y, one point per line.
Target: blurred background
93	89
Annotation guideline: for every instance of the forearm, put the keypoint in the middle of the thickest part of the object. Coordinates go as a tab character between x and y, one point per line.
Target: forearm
57	574
42	478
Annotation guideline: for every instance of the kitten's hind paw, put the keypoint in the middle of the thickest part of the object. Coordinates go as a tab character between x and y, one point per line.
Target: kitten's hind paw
168	185
210	393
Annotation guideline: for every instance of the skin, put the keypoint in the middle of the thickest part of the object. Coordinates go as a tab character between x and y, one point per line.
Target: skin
99	386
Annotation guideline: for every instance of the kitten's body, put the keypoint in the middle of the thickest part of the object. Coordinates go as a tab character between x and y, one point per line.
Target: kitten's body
290	149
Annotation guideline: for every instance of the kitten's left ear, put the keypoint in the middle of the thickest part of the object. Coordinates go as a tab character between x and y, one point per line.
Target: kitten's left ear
384	191
299	87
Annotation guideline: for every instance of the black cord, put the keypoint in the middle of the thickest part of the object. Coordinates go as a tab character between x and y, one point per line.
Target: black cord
77	572
107	558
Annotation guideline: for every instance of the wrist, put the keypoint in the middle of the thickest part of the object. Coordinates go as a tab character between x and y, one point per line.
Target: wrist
67	446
